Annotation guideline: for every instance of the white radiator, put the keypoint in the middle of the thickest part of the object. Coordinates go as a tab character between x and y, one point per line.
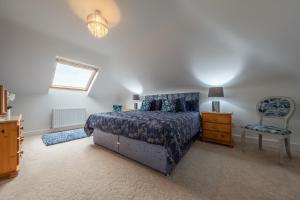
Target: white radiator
68	117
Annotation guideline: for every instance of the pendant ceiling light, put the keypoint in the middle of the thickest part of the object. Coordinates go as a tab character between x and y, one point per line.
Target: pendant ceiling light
97	24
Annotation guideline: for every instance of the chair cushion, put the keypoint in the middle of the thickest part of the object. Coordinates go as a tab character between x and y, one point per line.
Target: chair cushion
267	129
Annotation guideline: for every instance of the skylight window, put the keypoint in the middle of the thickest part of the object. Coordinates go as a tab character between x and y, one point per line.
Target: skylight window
73	75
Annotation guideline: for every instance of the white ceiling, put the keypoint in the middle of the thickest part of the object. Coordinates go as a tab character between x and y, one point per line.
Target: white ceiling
168	44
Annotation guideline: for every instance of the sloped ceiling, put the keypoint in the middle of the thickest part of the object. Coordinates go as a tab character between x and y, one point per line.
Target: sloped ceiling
169	44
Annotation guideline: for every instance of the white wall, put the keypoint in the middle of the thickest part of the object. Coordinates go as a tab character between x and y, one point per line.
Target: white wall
27	64
37	108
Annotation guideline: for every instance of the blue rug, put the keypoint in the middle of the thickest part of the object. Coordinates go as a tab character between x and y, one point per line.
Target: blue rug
64	136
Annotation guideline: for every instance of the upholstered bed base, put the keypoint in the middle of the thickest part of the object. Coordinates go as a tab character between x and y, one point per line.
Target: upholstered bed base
151	155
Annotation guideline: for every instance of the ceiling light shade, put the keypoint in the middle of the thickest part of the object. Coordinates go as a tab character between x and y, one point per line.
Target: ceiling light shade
97	24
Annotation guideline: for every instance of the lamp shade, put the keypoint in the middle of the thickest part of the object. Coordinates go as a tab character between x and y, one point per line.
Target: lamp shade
215	92
136	97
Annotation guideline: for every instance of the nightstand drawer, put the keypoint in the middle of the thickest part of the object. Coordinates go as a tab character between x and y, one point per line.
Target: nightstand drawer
216	118
217	127
214	135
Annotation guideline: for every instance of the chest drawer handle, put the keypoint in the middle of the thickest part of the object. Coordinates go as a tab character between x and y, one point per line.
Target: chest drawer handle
2	131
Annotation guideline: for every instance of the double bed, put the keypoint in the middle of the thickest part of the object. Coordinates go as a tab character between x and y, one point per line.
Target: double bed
157	139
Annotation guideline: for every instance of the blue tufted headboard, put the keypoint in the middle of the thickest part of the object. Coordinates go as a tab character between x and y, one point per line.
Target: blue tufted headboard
188	97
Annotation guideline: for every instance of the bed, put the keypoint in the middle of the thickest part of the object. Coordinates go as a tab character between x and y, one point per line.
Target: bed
155	138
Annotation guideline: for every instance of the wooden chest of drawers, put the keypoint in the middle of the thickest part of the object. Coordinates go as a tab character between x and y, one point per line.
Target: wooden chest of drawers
217	127
11	138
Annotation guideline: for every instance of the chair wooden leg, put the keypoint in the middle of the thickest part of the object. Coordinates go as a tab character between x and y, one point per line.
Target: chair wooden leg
243	139
281	147
260	142
288	146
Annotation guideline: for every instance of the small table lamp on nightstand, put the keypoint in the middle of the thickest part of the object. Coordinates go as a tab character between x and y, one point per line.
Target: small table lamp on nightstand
216	92
136	98
11	97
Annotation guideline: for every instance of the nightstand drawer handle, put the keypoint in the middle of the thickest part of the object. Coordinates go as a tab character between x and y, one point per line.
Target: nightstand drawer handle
2	131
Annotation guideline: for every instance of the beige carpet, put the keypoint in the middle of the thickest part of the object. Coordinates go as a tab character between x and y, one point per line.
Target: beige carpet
80	170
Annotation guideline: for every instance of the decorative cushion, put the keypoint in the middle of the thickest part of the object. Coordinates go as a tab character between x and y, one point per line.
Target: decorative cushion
146	105
276	106
267	129
168	106
180	105
194	97
117	108
156	104
191	106
152	105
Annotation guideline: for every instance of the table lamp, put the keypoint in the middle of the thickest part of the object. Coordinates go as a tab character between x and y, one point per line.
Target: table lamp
215	92
136	97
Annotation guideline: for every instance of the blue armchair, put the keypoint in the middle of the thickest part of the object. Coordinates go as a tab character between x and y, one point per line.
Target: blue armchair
272	107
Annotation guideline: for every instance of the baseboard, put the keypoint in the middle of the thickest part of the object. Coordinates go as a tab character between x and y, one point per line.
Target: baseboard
267	142
51	130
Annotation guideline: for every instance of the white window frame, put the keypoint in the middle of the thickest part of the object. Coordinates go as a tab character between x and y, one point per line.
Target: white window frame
78	64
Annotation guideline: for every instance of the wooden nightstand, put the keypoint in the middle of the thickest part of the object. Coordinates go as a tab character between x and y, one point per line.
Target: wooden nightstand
217	127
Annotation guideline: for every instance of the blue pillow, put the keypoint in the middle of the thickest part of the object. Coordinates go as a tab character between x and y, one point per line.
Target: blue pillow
146	105
152	105
156	105
180	105
168	106
191	105
117	108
